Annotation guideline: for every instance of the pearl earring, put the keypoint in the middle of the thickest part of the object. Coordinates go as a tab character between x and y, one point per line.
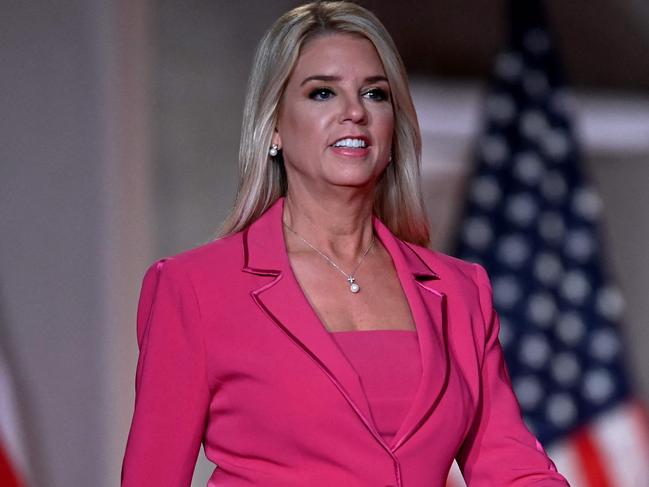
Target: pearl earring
274	150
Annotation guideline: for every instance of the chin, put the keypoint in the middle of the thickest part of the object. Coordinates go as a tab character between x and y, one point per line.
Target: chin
357	174
359	181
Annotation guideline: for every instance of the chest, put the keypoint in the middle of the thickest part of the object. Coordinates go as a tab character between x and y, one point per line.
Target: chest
380	302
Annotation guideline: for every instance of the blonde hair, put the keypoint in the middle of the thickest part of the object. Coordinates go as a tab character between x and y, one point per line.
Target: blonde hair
398	202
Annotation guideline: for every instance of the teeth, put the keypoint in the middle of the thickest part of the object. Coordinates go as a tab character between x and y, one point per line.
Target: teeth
354	143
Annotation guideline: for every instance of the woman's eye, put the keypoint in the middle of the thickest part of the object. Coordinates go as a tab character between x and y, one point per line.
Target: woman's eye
321	94
376	94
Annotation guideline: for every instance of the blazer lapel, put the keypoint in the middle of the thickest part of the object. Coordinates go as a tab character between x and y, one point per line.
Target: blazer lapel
428	308
284	302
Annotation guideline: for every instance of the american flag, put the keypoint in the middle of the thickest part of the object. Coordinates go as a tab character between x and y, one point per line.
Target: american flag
531	219
12	455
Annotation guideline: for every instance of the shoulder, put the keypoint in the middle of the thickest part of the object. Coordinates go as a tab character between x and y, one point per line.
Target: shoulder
206	263
448	267
466	281
225	251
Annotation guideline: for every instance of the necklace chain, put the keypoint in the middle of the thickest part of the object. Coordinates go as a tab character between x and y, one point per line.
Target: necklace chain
353	285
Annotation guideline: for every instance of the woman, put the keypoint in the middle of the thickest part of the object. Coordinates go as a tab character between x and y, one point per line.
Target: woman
318	343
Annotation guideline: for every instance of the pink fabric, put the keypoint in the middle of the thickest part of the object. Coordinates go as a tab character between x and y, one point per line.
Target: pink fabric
389	367
233	356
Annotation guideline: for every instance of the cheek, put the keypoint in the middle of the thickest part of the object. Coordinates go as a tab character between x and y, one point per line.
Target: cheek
304	129
383	117
385	127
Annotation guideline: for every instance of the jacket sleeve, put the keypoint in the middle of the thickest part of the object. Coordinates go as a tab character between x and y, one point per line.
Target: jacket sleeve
171	390
499	449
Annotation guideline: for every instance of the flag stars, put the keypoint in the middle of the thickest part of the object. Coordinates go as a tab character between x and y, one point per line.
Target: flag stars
555	144
580	244
586	203
547	268
500	108
532	222
486	192
575	287
528	168
598	385
528	392
565	369
604	345
609	302
541	309
561	410
494	150
477	232
513	250
534	351
570	328
506	291
521	209
509	66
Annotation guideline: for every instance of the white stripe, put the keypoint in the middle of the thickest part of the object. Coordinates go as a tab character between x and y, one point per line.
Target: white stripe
566	459
10	437
455	476
621	440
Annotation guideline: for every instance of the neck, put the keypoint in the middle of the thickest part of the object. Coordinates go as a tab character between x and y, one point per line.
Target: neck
339	225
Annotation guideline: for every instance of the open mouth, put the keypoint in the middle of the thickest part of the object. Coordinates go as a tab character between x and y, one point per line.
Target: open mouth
351	143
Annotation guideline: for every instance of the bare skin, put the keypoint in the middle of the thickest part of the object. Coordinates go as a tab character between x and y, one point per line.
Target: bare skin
338	90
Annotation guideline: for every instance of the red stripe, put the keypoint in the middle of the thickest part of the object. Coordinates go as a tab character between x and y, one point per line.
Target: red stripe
8	476
590	459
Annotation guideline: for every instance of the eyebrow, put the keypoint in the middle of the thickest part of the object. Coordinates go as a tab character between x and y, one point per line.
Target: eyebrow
330	78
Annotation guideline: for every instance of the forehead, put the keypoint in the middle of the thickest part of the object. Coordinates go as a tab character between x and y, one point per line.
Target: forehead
340	54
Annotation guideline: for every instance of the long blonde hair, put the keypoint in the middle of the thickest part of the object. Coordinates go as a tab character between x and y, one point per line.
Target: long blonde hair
398	202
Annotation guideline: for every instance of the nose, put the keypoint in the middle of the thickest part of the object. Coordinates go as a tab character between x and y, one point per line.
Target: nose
353	110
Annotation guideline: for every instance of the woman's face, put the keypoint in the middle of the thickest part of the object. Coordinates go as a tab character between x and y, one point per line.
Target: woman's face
335	120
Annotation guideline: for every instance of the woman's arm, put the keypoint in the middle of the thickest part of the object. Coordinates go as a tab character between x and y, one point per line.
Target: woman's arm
172	394
499	449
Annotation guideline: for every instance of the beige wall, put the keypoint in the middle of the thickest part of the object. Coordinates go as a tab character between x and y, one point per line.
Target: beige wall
202	61
51	232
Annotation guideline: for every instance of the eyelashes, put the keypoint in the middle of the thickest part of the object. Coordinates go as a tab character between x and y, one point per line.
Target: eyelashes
321	94
377	94
324	93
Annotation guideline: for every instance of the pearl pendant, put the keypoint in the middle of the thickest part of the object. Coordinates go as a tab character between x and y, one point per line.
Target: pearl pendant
353	287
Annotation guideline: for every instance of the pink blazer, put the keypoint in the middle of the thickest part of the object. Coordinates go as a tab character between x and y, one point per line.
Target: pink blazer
233	356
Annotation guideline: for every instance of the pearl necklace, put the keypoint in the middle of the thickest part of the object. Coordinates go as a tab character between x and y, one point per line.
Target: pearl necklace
353	285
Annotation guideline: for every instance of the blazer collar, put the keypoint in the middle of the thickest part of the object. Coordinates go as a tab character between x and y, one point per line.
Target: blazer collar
284	302
266	254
